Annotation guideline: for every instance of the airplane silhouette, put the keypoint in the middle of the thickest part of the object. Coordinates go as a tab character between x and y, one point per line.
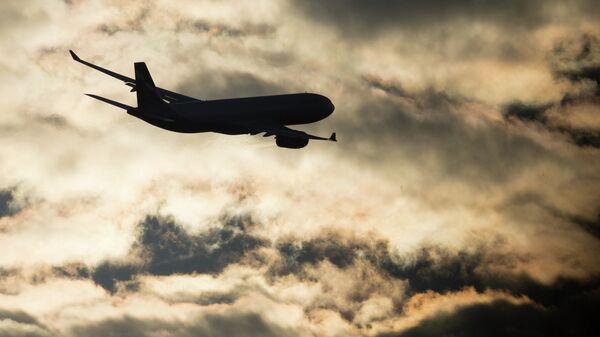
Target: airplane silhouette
249	115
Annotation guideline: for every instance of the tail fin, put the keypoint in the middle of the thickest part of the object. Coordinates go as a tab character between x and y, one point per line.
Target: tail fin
142	74
148	98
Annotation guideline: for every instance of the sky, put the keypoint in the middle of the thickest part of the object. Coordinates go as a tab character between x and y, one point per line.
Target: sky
461	199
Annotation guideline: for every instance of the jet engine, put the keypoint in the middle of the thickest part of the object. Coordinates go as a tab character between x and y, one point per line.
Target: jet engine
291	142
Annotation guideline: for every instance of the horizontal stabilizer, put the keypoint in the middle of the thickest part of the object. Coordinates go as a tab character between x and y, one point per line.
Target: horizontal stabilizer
109	101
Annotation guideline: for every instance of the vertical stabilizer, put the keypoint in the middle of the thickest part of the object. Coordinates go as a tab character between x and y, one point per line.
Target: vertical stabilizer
142	74
147	95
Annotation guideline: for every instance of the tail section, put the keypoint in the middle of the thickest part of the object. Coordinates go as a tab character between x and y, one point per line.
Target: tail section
148	98
150	104
142	74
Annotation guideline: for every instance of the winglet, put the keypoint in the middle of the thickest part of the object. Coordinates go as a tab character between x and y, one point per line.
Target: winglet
74	56
332	137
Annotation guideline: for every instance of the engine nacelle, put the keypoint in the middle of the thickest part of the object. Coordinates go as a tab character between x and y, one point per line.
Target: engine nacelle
291	143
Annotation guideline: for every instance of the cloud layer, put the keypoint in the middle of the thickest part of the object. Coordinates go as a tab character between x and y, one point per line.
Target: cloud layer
462	195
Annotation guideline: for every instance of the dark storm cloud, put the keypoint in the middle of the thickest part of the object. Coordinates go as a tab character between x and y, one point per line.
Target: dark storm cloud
24	325
364	17
211	84
164	247
391	88
211	325
172	250
216	298
526	112
584	73
425	125
585	138
501	318
578	58
426	101
575	59
341	252
109	274
591	226
538	114
531	200
18	316
432	268
8	206
442	270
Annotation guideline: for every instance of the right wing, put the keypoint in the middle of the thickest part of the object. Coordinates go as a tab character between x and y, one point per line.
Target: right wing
272	129
169	96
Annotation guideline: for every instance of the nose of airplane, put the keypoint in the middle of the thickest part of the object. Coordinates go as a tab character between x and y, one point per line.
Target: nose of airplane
323	105
331	106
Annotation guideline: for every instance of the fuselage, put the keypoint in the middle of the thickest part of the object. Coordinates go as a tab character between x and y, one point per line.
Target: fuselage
237	115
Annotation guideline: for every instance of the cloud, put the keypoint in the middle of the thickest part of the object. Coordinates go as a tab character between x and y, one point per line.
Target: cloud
464	185
362	18
219	29
164	247
555	118
132	19
482	266
172	250
428	128
108	274
577	60
13	18
526	112
7	207
588	223
213	84
454	137
501	318
17	316
247	324
336	249
20	324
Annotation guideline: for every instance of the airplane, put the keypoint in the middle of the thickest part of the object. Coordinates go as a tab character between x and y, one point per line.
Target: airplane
234	116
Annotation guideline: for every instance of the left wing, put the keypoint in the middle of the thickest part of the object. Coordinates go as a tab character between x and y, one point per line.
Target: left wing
169	96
